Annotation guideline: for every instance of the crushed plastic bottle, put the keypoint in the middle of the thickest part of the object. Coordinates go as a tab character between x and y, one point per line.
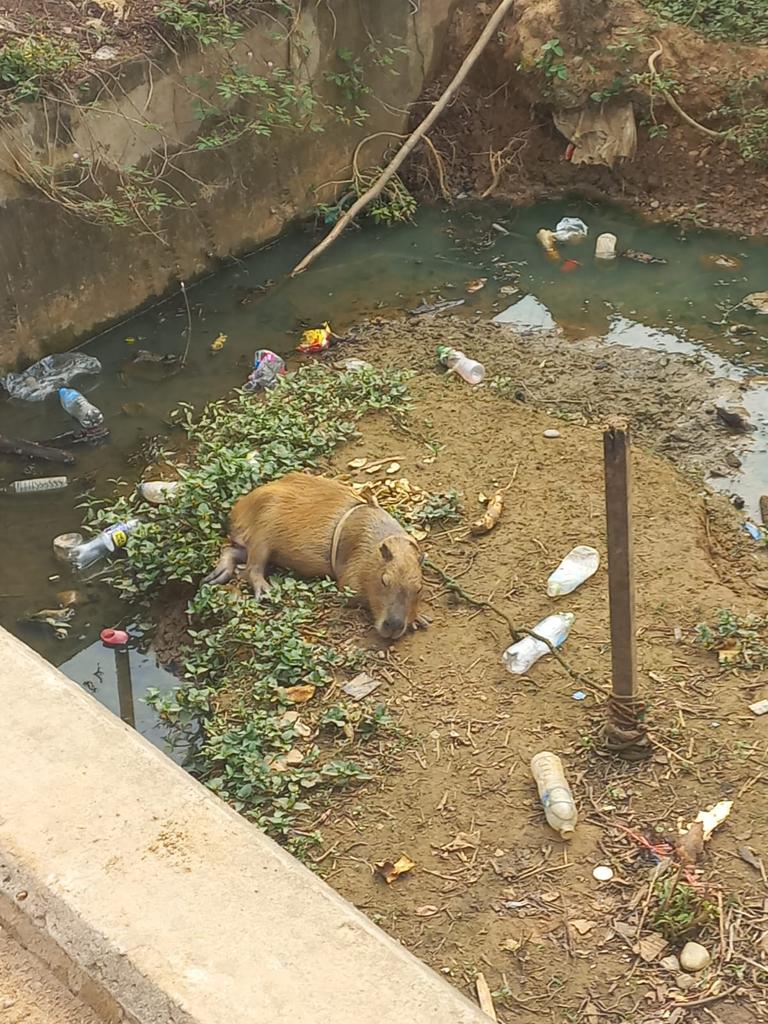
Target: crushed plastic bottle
605	246
45	377
577	567
570	229
79	408
555	793
114	537
267	367
468	369
518	658
37	485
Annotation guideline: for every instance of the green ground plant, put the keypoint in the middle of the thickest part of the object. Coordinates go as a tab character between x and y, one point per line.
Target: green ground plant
234	714
744	21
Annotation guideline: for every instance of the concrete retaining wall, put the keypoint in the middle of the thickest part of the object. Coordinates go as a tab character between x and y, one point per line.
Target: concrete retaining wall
63	275
156	902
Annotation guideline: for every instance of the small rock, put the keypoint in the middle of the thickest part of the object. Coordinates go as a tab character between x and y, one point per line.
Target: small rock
694	957
551	433
602	873
105	53
684	982
733	460
670	963
735	417
655	204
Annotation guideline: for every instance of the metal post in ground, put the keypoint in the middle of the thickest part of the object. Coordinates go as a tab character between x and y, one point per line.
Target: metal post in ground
624	732
125	687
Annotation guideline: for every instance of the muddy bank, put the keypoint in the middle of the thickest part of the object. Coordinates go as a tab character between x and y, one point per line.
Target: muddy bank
669	399
499	137
493	889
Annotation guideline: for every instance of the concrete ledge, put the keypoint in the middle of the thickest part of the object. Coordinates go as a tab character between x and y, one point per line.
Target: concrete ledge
162	904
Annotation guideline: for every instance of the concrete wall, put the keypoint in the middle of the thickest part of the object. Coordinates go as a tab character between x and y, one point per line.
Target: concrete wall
62	276
156	902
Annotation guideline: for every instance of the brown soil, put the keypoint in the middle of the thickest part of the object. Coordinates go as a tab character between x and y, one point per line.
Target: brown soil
494	889
683	176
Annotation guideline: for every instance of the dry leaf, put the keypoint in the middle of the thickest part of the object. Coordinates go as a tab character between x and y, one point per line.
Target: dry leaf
293	757
713	816
357	463
582	926
749	858
476	284
650	947
512	945
218	343
691	846
389	871
492	512
428	910
360	686
300	694
550	897
729	653
392	468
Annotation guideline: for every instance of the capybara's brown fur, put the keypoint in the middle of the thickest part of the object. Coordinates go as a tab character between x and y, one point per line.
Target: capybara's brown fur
291	522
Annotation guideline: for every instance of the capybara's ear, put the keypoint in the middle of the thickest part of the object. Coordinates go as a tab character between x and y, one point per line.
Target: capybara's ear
386	551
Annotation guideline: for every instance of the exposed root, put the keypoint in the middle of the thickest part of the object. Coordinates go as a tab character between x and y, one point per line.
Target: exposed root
673	102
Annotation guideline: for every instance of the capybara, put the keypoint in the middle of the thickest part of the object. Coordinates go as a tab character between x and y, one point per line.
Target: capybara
318	527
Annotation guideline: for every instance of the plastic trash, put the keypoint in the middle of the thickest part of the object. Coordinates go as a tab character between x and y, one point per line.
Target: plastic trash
754	531
315	340
64	545
468	369
570	229
605	246
48	375
577	567
353	365
157	491
758	301
84	555
518	658
267	367
79	408
546	240
555	793
114	637
37	485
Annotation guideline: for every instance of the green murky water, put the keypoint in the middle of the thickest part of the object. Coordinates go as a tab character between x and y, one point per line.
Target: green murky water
675	306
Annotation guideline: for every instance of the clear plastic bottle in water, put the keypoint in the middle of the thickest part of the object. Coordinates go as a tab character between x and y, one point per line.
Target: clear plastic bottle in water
84	555
575	569
555	793
37	485
518	658
468	369
78	406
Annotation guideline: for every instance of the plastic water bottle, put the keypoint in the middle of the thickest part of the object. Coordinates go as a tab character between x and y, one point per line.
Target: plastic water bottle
577	567
114	537
37	485
78	406
555	793
518	658
468	369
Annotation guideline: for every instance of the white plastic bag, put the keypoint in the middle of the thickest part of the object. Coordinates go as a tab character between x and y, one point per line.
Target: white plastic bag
51	373
571	229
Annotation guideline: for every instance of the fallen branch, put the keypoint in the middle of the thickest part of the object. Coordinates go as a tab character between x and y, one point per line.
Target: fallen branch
410	144
31	450
671	99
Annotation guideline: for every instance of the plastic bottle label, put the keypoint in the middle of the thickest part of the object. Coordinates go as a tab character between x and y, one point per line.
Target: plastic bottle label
119	538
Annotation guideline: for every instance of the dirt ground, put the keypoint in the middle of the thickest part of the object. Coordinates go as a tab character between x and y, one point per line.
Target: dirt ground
30	994
494	890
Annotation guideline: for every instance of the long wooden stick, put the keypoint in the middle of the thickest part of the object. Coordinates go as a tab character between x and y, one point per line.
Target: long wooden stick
621	587
409	145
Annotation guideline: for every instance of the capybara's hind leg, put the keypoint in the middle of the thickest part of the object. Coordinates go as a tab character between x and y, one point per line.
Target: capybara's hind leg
258	557
231	556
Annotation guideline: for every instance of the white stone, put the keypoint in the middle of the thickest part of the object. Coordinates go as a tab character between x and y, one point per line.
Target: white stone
551	433
694	957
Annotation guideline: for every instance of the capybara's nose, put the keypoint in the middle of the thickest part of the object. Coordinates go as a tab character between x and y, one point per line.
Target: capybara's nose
393	627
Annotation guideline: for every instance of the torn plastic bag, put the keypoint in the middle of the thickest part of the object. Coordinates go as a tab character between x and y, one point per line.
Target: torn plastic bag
570	229
47	376
600	135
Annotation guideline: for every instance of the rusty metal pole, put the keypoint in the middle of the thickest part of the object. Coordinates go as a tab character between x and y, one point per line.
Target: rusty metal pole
125	687
624	732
